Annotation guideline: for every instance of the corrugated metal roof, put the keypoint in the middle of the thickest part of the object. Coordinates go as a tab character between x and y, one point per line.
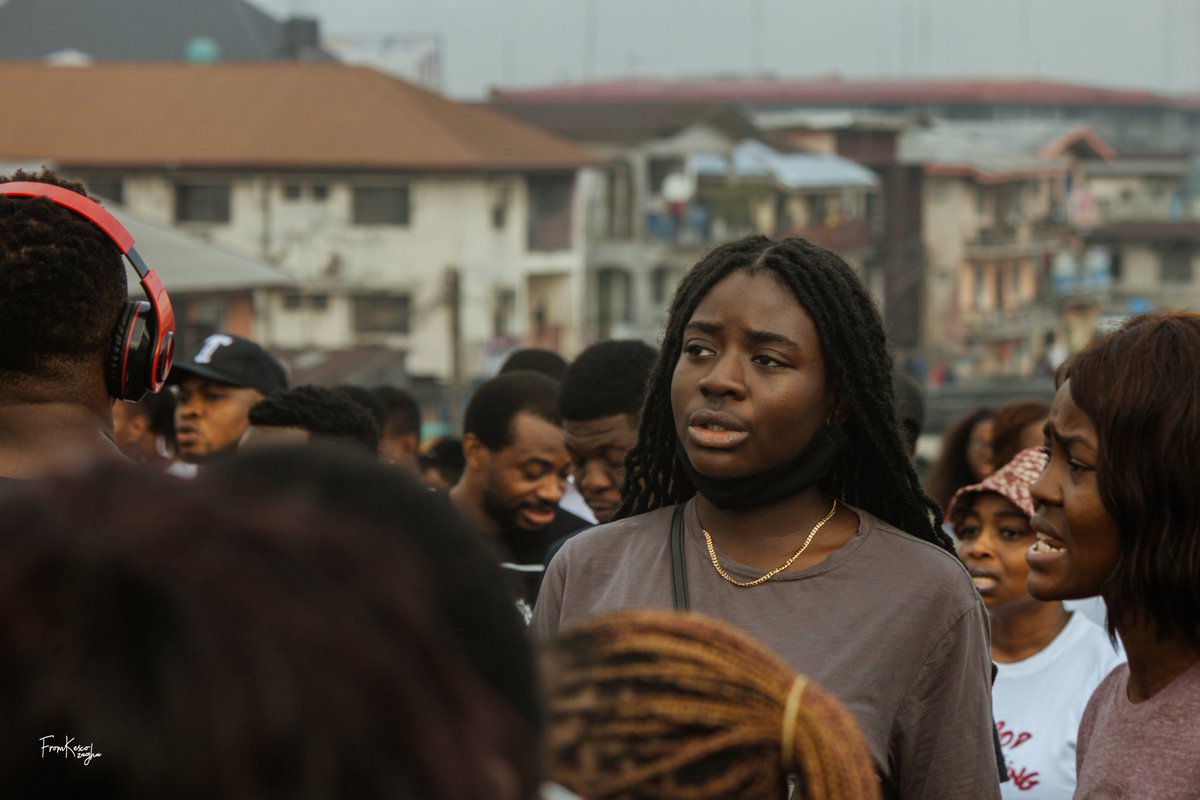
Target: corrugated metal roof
188	265
994	148
753	159
835	90
264	115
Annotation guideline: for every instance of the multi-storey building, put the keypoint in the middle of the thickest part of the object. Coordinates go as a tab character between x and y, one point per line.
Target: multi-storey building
439	232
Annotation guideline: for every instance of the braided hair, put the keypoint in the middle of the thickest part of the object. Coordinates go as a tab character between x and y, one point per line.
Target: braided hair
656	704
874	471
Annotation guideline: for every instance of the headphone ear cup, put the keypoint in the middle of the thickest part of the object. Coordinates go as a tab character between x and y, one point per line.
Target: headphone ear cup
127	372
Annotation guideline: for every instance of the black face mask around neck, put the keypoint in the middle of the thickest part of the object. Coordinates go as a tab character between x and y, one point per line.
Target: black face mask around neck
813	464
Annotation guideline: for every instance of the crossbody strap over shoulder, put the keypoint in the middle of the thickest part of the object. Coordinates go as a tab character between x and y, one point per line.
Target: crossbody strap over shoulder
679	590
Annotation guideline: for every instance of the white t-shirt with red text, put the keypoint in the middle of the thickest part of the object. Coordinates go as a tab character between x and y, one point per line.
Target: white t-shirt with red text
1038	703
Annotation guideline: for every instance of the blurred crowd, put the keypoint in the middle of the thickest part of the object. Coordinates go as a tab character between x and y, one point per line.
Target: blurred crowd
707	569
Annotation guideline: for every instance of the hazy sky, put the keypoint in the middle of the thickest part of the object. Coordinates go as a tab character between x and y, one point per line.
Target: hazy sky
1137	43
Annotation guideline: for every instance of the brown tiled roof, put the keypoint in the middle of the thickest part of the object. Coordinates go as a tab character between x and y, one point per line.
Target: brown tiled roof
257	116
626	122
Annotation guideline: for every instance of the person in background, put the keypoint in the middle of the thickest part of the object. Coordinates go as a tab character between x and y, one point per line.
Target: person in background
554	367
1117	513
214	391
1049	660
241	638
1018	426
442	463
770	487
311	414
600	400
535	359
965	456
516	470
62	295
646	703
400	442
145	430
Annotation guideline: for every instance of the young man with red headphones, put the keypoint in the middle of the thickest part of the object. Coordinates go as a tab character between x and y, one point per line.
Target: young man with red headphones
70	342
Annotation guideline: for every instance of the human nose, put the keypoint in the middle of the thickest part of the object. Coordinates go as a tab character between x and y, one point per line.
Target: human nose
550	488
186	406
725	375
1044	490
981	546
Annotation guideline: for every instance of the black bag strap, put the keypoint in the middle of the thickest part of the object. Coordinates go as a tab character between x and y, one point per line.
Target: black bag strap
679	588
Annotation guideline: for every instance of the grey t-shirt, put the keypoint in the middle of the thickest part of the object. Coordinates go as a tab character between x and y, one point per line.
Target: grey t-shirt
891	624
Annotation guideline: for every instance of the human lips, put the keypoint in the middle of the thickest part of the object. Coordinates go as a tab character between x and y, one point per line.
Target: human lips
186	435
985	580
537	516
1049	546
713	429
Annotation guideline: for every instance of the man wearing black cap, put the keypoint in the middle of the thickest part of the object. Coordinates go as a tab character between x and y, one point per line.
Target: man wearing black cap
214	392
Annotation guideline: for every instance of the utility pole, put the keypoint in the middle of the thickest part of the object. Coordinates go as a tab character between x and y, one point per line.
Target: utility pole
590	32
452	296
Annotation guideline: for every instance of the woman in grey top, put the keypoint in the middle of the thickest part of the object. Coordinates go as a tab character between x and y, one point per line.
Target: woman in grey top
770	424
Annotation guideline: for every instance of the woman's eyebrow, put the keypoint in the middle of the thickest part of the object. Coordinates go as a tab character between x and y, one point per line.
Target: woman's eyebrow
767	337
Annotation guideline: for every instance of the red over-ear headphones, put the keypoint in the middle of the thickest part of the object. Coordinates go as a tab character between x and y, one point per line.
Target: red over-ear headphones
144	340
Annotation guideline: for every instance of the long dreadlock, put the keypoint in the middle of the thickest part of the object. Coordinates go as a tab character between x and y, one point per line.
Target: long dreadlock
655	704
874	471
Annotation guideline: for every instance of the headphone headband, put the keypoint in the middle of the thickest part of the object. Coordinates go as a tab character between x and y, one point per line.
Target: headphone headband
163	345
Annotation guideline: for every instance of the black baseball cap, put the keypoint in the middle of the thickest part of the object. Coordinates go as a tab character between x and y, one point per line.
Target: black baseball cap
234	360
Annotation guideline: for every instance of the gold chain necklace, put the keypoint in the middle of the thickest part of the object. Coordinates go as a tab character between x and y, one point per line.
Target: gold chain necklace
712	554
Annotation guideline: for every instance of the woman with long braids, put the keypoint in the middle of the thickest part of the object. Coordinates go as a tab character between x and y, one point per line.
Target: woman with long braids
739	720
770	488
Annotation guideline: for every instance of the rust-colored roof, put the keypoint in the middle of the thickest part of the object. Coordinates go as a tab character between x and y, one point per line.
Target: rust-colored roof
257	116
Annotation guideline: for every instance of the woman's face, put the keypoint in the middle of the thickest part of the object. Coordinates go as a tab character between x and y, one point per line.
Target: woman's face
1077	539
979	449
749	389
992	538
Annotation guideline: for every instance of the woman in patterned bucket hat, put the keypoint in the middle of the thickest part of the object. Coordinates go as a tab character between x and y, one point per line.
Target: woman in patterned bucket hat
1048	660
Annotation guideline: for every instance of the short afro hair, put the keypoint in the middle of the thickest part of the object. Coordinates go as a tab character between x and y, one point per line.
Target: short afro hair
403	412
535	359
62	284
490	413
605	379
329	415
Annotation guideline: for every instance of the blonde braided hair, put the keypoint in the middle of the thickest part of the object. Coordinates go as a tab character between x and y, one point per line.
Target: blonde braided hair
657	704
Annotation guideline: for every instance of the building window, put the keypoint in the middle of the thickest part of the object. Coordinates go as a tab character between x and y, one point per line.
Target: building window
381	205
550	212
110	189
1175	265
202	202
295	301
503	310
661	169
614	289
662	284
382	313
320	191
292	192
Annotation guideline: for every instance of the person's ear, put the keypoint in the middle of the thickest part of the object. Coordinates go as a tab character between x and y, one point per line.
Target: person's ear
135	429
475	452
